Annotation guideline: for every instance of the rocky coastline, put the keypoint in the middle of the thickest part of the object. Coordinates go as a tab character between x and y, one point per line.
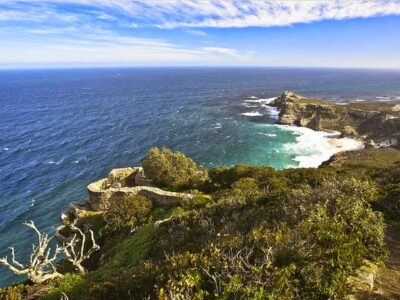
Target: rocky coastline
377	125
120	183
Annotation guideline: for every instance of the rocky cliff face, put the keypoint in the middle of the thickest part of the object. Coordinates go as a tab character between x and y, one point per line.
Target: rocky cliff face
378	124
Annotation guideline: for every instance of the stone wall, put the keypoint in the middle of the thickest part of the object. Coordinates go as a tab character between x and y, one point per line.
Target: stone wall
126	182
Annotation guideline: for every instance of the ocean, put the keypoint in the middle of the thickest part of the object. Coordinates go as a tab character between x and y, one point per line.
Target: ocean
62	129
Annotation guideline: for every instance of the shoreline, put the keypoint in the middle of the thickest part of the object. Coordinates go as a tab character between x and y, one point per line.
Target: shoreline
313	147
327	128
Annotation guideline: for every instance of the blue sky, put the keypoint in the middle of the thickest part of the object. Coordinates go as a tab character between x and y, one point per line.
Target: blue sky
73	33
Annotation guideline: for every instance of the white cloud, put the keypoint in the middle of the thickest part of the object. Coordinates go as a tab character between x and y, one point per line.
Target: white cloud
237	13
275	13
91	45
216	13
196	32
36	14
96	31
221	50
104	16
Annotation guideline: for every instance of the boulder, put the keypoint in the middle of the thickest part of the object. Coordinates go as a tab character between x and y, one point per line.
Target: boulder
349	131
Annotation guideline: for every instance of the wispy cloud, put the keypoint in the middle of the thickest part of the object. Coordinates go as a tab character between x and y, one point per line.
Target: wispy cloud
238	13
221	50
203	13
142	31
198	33
267	13
91	45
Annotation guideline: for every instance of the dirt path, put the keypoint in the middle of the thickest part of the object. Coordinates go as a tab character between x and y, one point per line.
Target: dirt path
388	279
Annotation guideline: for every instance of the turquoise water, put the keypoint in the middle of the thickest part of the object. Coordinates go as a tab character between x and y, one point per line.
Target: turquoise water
61	129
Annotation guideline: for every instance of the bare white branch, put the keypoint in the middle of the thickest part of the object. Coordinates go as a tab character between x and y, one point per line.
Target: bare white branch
40	267
77	258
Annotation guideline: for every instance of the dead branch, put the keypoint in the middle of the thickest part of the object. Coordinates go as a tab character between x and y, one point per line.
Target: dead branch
78	256
40	267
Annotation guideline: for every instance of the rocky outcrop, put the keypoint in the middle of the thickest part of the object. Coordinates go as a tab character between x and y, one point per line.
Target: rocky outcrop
378	123
126	182
363	280
120	183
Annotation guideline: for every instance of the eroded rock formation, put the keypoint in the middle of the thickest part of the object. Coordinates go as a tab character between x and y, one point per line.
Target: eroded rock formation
377	123
125	182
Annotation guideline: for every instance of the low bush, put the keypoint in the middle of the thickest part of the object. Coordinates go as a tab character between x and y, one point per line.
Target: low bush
173	170
258	234
128	212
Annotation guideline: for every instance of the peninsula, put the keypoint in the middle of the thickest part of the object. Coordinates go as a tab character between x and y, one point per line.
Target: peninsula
377	124
171	229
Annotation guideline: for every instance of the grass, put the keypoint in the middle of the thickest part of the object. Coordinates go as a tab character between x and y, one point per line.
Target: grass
371	106
367	106
128	252
371	158
124	256
314	101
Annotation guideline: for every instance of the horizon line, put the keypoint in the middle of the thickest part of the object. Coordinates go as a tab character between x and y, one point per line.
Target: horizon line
191	66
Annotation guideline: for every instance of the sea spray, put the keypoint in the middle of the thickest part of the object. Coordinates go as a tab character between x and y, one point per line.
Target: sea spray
311	147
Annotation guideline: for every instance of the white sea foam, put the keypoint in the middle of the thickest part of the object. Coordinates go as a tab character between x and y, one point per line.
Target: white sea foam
218	125
253	97
359	100
249	105
273	111
6	149
53	162
263	101
252	114
383	98
314	147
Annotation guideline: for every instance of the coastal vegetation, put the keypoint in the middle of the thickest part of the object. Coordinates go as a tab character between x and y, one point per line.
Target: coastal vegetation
172	170
247	233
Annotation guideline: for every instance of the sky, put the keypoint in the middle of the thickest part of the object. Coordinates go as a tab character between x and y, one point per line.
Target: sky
91	33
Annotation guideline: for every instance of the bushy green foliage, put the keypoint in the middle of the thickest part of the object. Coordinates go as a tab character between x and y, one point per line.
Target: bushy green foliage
261	234
172	170
390	202
128	212
224	177
15	292
300	245
389	193
111	280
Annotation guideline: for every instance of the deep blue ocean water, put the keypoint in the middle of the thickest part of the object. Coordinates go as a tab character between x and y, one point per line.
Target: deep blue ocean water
61	129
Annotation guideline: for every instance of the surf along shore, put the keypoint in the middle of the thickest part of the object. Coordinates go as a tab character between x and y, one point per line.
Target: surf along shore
346	127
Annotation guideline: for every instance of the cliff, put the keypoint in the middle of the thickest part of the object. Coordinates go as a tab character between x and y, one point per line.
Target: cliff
252	227
378	124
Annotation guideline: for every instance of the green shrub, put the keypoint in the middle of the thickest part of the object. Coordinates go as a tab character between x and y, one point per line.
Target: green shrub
128	212
260	234
389	203
224	177
172	170
15	292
